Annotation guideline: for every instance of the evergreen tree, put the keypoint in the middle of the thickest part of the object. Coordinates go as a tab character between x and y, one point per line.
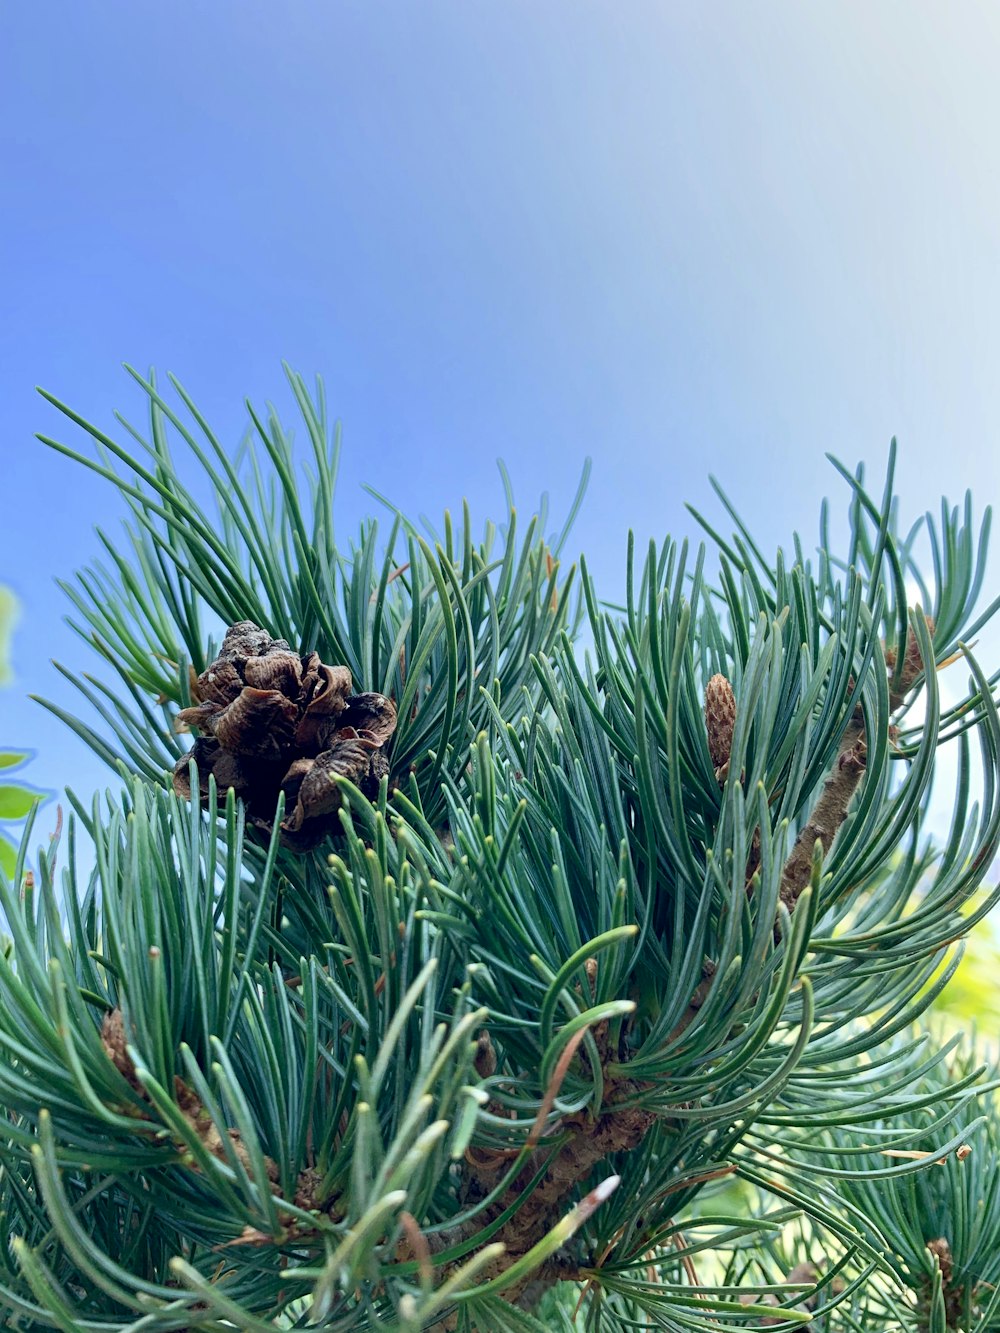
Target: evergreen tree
439	974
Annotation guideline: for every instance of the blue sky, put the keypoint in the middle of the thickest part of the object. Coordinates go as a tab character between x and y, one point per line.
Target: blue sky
681	238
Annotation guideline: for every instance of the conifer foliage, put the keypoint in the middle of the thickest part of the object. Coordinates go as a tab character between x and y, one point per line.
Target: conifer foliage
437	974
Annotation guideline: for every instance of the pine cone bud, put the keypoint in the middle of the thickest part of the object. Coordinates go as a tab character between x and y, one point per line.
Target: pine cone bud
913	662
953	1303
720	720
113	1039
485	1059
941	1251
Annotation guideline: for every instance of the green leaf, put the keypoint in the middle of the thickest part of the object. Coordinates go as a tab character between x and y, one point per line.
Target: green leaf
16	802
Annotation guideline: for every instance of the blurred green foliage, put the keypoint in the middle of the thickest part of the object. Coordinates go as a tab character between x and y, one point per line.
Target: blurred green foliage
8	618
970	1003
16	799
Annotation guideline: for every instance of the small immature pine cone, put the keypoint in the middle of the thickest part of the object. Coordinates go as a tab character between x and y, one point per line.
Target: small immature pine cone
952	1293
941	1251
307	1188
913	663
114	1039
720	719
485	1058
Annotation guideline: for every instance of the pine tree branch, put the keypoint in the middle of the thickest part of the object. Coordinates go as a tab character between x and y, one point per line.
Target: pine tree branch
828	814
